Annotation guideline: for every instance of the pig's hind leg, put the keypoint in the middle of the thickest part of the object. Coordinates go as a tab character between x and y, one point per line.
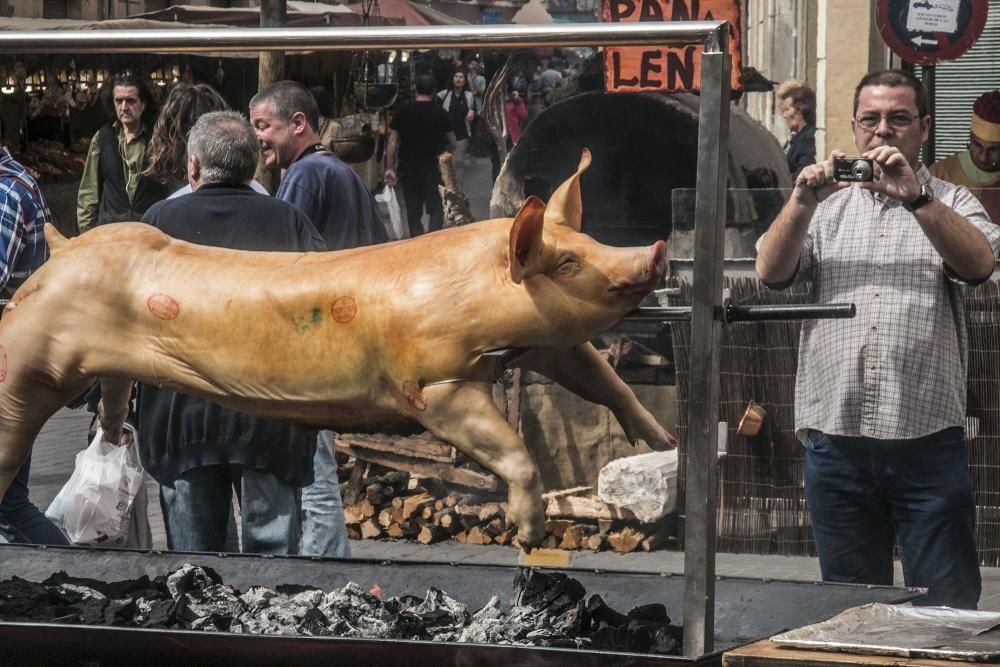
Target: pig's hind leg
464	415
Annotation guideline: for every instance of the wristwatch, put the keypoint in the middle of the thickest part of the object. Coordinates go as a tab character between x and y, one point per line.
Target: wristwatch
926	196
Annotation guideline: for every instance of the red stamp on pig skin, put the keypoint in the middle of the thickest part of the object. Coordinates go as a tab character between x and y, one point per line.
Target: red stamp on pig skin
344	309
414	395
3	363
163	306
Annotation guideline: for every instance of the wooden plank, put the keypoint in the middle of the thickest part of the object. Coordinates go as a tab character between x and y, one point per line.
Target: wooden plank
767	653
446	472
585	507
423	446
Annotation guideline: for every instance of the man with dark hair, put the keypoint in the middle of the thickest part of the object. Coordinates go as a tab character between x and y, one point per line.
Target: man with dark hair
113	187
978	166
418	133
198	451
880	398
286	118
23	214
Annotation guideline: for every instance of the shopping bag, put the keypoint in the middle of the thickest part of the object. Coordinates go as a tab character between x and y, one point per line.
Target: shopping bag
104	502
389	203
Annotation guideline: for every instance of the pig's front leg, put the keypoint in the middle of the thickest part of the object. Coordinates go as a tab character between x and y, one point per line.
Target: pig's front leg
113	408
464	415
584	371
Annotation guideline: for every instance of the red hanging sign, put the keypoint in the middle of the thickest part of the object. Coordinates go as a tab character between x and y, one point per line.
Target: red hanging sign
668	69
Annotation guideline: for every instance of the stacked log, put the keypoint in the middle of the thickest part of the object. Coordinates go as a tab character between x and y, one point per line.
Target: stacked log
401	505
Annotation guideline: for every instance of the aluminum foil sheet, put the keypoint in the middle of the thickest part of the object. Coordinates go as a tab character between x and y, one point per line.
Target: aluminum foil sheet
903	630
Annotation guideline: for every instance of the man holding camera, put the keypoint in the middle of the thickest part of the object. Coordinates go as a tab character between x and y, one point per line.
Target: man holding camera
880	398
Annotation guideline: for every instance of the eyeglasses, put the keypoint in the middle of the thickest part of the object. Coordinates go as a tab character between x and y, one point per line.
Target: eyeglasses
897	121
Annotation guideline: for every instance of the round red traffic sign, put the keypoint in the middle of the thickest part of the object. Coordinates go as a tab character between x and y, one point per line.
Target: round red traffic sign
926	31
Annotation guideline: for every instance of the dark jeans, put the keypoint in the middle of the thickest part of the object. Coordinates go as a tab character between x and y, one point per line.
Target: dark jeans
20	520
420	190
864	495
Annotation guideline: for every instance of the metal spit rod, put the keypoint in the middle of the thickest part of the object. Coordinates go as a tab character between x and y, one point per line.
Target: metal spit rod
759	313
710	208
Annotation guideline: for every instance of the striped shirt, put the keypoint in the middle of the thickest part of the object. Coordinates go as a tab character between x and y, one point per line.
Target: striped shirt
23	213
898	369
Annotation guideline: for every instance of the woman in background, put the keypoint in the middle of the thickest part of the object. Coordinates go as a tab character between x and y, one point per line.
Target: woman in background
797	103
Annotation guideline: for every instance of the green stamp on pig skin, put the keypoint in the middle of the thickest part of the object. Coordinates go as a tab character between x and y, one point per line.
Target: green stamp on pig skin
304	323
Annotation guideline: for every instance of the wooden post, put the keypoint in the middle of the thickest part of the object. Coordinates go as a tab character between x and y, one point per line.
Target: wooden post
273	14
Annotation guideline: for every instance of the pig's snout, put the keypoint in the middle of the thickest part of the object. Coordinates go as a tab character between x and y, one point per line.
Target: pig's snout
644	269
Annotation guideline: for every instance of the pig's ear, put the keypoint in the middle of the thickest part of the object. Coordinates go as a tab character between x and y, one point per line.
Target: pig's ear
566	206
526	240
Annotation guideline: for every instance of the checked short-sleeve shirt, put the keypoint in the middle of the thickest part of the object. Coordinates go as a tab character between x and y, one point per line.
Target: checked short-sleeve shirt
23	214
898	369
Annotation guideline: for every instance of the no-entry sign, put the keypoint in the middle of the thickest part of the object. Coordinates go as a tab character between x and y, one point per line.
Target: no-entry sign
926	31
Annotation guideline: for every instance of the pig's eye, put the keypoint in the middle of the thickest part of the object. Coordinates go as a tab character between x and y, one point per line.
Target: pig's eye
567	266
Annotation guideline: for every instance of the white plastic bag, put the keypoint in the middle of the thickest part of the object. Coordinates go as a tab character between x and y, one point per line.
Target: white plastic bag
104	502
388	202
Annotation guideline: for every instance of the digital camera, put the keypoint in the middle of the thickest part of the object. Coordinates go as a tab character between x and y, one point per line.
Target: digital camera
853	169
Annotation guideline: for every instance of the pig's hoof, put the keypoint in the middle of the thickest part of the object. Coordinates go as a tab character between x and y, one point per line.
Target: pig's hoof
529	538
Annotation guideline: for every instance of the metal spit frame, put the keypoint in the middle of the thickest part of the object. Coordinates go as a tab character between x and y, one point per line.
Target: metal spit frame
707	312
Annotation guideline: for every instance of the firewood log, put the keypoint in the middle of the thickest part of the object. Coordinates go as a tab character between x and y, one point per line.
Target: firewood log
575	536
414	504
371	530
385	518
446	519
374	493
625	540
477	536
430	534
557	527
494	527
596	542
488	511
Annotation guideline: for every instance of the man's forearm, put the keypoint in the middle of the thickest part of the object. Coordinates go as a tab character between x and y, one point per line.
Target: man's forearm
961	245
779	251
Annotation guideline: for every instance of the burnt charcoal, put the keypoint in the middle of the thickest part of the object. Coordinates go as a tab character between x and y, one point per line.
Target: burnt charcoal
650	613
277	613
120	612
154	613
257	598
402	603
189	578
116	589
218	604
89	602
600	612
570	623
294	589
666	640
487	626
550	592
443	616
548	609
22	600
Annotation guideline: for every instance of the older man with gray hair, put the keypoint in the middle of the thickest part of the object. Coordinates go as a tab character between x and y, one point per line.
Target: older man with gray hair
198	451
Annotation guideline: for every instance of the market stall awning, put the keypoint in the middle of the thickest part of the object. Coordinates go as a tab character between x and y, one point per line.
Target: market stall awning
300	14
413	13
